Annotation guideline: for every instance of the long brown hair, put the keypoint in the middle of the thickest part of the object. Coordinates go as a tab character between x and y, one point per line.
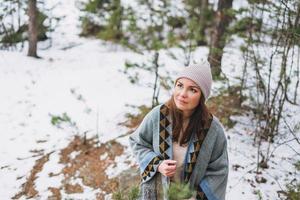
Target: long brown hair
199	121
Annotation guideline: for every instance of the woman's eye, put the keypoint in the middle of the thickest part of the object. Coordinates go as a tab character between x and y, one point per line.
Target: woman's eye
193	90
179	85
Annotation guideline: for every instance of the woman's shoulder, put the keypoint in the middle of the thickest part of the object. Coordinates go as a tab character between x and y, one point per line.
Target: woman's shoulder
217	127
216	122
156	109
154	112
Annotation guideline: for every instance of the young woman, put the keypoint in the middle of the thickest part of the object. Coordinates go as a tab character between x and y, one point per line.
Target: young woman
180	141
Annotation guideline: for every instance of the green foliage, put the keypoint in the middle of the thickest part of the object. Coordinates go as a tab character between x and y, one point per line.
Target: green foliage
112	31
158	29
117	196
227	104
12	36
42	29
133	78
93	6
172	39
243	48
230	12
216	51
131	28
178	191
89	27
109	14
133	120
57	120
257	1
293	191
166	82
109	34
176	21
245	25
296	128
137	31
258	193
297	165
142	111
132	194
199	19
195	30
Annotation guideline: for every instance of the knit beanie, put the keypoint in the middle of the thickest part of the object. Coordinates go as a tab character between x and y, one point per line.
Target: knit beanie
200	73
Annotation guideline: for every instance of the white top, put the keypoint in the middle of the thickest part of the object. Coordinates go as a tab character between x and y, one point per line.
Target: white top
178	155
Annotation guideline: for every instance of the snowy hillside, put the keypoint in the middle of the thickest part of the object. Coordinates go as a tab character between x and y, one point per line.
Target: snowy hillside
82	79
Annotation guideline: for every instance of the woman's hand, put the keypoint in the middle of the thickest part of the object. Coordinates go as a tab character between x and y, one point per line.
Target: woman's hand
167	168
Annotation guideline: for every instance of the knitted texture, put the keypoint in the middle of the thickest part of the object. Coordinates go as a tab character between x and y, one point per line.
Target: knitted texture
200	73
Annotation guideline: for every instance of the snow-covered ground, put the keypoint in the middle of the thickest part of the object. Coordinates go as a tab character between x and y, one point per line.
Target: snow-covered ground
87	84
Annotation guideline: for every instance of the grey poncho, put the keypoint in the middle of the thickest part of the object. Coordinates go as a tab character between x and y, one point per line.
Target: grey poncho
206	160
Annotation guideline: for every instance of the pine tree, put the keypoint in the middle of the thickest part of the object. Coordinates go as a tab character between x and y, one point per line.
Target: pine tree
14	27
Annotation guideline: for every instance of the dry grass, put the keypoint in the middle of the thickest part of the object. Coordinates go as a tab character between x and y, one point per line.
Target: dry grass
225	105
86	165
28	188
133	120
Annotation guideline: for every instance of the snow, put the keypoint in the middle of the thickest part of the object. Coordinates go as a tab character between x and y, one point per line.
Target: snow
243	153
123	162
52	166
104	156
87	84
114	170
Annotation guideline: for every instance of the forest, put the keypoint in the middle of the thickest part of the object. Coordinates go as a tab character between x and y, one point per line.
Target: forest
77	78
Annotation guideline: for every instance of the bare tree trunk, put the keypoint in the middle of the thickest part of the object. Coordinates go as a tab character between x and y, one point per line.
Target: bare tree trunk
218	38
298	76
32	28
19	14
155	88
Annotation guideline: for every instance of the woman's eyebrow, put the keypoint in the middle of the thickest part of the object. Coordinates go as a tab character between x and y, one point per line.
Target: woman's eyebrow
193	86
178	82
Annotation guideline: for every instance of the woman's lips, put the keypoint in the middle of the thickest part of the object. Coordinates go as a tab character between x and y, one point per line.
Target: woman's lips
181	101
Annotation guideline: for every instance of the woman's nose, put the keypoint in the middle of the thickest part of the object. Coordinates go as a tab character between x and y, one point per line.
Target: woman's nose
183	93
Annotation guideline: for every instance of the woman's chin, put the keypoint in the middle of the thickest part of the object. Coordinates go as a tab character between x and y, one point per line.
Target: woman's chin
180	107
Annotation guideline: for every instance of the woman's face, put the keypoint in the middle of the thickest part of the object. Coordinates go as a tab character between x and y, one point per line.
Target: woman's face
186	95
